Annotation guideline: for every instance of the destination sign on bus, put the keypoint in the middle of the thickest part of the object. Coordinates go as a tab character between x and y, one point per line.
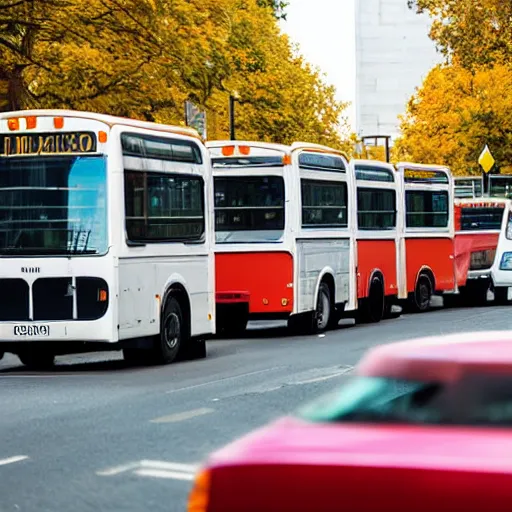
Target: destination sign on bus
47	143
424	176
323	162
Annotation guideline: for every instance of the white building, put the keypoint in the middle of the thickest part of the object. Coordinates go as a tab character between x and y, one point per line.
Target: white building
393	56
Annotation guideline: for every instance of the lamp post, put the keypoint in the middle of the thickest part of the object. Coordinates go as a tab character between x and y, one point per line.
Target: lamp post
233	98
375	138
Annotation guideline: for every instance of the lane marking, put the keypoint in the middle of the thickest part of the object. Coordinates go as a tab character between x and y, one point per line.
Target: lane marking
183	416
324	377
169	466
155	469
117	470
160	473
12	460
186	388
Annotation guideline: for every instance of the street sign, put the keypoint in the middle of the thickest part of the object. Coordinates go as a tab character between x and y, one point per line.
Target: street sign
486	160
195	118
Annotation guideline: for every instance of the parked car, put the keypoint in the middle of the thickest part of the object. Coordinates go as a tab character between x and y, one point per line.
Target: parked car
423	425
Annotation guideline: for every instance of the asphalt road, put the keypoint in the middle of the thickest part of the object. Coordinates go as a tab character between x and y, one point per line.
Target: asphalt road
96	435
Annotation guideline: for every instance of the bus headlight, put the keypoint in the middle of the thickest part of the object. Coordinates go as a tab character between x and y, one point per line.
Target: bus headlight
506	261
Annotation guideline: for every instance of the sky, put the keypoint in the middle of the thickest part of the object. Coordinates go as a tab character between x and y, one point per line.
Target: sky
325	31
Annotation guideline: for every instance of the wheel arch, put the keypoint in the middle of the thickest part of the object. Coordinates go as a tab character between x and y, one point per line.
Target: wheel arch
376	272
425	270
326	276
176	288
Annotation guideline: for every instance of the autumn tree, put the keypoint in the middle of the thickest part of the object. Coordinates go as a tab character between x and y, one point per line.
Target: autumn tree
278	7
455	114
471	33
145	58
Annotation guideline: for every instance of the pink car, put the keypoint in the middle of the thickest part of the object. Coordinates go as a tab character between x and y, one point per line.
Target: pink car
422	426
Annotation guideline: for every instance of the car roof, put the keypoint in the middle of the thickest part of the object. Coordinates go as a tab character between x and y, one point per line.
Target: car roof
441	358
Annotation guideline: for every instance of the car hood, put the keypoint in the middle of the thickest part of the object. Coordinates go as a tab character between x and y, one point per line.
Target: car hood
296	441
299	466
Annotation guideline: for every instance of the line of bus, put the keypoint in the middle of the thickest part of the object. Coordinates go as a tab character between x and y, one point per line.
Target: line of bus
304	235
118	234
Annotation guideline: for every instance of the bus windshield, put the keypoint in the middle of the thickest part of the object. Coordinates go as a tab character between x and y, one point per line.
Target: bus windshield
482	218
249	209
53	206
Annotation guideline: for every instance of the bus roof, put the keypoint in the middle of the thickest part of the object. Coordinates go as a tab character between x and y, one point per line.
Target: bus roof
253	144
420	167
374	163
107	119
296	146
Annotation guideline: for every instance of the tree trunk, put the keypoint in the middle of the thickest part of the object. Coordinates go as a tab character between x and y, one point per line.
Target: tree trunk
11	91
15	90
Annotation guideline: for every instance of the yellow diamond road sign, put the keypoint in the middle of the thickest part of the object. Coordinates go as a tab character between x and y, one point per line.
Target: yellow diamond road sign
486	159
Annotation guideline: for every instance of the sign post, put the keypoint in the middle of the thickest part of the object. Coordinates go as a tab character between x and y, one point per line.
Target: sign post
487	162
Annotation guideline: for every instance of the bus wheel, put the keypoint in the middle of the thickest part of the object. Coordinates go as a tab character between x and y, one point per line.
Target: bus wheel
322	314
37	359
501	296
422	294
172	328
372	308
2	354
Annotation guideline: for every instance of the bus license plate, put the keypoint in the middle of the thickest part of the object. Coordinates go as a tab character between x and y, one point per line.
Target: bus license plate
31	330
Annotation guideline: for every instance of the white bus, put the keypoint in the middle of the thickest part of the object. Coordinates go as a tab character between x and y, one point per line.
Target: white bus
106	233
284	234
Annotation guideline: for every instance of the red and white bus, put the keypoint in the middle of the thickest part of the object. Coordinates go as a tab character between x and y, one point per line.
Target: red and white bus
478	223
378	238
405	236
284	221
427	262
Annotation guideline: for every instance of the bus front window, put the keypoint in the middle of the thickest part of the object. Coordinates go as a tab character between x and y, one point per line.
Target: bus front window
53	206
249	209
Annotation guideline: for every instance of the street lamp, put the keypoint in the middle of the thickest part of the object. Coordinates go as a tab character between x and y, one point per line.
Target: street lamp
233	98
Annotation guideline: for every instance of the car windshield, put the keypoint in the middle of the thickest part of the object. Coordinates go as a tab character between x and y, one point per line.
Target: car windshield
53	205
475	400
249	209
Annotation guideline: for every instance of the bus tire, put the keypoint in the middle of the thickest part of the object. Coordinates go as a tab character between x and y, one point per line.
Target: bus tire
420	300
371	309
172	333
501	296
37	359
322	315
2	354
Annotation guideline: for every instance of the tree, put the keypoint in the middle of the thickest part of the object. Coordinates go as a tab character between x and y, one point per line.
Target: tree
145	58
455	114
468	32
277	6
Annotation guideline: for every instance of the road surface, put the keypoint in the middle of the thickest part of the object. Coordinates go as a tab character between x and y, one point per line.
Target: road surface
94	435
